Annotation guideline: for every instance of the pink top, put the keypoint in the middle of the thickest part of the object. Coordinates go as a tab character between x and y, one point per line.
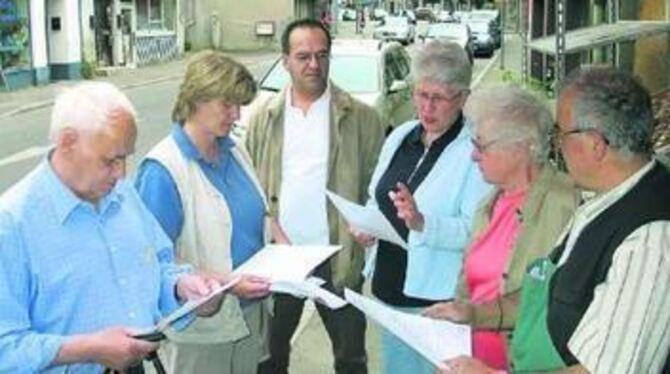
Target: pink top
484	267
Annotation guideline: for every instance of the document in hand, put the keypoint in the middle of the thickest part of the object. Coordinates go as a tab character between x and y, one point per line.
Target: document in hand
288	267
187	308
436	340
286	262
311	288
368	220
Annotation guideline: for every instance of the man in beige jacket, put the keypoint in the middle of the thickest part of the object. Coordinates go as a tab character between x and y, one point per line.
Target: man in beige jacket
311	137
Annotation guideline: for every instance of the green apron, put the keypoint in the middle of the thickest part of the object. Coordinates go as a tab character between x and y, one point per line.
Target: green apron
532	348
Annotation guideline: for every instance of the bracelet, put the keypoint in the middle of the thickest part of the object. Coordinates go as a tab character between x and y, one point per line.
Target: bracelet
500	314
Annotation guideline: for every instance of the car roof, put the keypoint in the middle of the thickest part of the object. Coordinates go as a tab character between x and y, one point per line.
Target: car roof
362	46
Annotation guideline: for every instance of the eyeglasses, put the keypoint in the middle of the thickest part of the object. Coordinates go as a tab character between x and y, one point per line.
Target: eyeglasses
306	58
483	147
558	135
435	99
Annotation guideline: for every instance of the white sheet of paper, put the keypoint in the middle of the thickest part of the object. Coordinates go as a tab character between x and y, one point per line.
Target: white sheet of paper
286	262
310	289
188	307
436	340
366	219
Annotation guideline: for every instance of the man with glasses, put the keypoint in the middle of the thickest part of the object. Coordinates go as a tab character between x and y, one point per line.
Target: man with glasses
601	301
309	138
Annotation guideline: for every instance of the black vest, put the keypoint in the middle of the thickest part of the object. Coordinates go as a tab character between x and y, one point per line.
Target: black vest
573	284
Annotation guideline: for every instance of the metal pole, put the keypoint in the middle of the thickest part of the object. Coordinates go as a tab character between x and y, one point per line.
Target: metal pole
526	33
559	61
503	23
612	17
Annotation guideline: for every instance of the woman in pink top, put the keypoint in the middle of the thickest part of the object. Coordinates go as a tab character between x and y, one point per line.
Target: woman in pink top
517	223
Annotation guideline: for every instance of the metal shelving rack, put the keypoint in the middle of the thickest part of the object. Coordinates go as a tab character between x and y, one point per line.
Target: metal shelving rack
564	42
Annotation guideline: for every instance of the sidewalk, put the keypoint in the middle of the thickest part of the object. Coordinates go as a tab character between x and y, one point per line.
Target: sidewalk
29	98
510	55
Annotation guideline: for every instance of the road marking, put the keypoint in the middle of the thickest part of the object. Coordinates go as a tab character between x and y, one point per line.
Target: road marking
23	155
486	69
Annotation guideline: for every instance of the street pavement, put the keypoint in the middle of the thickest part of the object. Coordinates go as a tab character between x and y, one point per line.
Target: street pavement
24	121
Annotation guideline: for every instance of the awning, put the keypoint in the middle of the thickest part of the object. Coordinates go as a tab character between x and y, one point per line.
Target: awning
596	36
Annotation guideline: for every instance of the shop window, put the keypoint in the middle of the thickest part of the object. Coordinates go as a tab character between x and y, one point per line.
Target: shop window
155	14
14	32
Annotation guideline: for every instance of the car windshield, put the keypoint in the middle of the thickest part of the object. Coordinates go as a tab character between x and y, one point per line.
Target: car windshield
355	74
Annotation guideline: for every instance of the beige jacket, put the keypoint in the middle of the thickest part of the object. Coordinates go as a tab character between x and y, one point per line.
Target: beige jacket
356	137
205	239
550	204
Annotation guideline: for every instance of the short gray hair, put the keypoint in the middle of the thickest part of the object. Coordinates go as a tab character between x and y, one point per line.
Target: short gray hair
516	115
87	107
443	62
616	104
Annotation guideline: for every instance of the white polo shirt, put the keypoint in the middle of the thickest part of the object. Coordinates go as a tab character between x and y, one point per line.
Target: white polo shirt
302	197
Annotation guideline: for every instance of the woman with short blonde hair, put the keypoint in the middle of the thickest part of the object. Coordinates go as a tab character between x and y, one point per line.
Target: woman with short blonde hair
200	185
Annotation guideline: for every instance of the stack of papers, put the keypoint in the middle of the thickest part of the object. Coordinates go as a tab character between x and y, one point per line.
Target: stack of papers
288	267
436	340
368	220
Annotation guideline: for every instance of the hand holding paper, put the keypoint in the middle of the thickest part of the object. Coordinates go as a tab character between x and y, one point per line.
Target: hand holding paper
199	286
366	220
188	307
287	268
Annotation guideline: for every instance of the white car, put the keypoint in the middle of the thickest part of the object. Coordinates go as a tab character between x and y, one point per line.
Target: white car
453	32
396	28
373	72
378	14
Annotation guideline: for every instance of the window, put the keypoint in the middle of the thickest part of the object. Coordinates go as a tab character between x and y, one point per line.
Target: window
14	34
155	14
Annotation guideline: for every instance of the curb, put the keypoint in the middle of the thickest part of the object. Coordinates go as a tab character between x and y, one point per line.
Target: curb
48	102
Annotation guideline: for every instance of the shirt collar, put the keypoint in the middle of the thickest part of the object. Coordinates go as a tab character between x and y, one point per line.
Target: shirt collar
63	199
324	98
418	130
189	149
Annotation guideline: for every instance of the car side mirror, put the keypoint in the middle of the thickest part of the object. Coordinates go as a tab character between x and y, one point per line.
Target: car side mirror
397	86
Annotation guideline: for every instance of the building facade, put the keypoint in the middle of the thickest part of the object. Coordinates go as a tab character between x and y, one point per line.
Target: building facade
42	41
243	25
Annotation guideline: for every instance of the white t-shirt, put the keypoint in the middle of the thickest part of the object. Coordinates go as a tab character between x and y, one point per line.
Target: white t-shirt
302	197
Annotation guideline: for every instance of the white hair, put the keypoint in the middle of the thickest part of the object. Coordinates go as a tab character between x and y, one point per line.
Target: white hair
88	107
515	114
442	62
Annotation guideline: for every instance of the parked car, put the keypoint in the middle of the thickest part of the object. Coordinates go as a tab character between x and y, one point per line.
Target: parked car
425	14
348	14
445	16
484	40
410	15
378	14
376	73
461	16
454	32
493	18
396	28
